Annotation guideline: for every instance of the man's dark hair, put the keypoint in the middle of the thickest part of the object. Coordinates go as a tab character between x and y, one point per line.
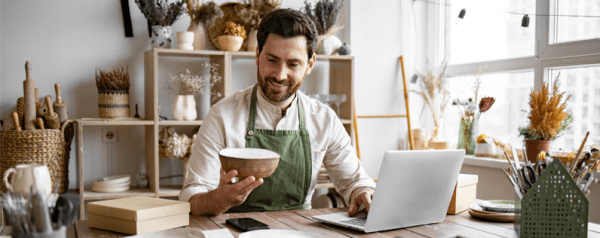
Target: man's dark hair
288	23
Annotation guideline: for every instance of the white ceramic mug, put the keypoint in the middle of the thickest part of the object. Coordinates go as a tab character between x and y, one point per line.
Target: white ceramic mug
27	175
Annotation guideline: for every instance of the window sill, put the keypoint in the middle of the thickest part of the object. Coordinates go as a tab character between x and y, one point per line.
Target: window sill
486	162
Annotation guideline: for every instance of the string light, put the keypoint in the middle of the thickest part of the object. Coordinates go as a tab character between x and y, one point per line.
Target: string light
525	25
461	16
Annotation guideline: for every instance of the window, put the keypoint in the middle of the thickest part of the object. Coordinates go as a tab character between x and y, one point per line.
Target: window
488	42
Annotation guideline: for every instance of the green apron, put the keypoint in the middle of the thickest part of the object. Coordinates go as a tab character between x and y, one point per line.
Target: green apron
287	187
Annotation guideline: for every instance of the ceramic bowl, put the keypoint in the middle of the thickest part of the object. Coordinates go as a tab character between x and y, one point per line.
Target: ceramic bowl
110	189
113	179
259	163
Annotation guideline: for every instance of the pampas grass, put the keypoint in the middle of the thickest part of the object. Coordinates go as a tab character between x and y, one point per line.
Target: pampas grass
547	114
434	92
324	14
204	14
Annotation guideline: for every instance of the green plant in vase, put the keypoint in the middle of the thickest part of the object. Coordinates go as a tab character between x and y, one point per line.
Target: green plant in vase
548	119
469	120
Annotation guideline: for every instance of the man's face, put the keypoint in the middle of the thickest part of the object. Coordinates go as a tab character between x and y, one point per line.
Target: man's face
282	66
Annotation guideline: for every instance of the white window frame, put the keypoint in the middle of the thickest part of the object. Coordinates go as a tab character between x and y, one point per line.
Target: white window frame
546	55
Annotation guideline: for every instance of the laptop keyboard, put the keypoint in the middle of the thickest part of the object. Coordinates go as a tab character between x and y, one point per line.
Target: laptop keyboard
356	221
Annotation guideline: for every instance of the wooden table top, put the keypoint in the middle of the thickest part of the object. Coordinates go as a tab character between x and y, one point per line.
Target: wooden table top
454	225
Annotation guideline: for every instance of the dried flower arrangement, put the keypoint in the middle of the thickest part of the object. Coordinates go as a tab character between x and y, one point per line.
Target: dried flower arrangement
204	14
324	14
188	84
251	14
468	109
435	94
548	118
160	12
233	29
174	146
117	79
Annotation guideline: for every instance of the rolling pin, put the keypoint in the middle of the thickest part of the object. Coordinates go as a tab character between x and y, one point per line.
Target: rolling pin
51	117
29	91
37	100
15	118
42	111
59	105
21	108
40	123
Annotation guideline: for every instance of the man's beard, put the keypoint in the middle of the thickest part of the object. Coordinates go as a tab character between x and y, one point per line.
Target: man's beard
276	95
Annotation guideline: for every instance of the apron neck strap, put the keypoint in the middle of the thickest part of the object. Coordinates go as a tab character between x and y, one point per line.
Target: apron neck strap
252	116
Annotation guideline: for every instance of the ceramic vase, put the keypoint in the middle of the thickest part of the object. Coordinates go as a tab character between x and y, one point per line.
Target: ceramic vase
421	138
184	108
199	35
185	39
467	135
252	41
230	43
161	37
534	147
328	45
205	101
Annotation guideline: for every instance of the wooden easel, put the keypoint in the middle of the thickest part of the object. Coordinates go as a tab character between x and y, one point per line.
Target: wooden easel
407	115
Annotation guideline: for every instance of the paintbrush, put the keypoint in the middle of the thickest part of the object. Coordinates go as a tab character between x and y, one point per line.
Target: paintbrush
578	153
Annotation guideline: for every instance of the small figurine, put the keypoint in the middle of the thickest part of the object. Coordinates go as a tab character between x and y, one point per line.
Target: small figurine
344	49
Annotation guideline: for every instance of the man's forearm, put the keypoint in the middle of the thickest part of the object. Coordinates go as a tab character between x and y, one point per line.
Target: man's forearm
207	204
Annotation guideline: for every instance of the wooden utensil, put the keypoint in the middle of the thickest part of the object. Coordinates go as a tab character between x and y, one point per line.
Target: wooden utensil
51	118
21	108
42	111
15	118
37	100
59	105
30	100
40	122
578	153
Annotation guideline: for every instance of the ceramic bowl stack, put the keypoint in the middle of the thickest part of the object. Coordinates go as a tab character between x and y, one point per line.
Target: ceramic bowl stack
112	184
493	210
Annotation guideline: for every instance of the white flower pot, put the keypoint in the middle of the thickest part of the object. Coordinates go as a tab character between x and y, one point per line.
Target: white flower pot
161	37
252	41
328	45
184	108
185	39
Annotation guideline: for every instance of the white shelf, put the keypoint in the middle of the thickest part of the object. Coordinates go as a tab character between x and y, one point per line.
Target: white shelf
106	122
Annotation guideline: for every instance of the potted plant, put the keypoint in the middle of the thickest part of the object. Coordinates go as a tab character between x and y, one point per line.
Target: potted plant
325	14
161	15
548	119
231	36
202	16
113	93
185	85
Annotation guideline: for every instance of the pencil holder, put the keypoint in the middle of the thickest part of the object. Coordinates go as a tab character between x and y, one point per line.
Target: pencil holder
553	207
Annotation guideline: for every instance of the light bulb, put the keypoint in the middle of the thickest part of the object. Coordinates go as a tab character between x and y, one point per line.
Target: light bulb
525	25
461	16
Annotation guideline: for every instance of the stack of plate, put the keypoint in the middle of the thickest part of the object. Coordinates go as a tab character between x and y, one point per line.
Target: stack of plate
493	210
113	184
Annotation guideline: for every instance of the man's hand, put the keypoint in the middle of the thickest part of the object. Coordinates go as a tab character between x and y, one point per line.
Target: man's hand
233	194
225	196
363	198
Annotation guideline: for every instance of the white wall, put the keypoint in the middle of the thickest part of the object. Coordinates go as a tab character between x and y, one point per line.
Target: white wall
65	41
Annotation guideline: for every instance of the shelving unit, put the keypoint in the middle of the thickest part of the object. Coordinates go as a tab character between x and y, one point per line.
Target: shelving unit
340	82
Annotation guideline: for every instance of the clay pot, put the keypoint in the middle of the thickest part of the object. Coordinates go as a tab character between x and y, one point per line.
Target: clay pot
534	147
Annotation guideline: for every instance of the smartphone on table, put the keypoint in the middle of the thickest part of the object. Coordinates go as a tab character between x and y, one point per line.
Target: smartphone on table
246	224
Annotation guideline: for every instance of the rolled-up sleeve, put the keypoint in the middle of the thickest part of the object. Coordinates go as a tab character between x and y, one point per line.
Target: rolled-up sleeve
342	164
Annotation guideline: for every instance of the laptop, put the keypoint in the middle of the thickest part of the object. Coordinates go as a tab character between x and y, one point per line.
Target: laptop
414	188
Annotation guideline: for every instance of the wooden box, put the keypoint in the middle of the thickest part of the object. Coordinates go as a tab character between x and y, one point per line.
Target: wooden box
138	215
464	193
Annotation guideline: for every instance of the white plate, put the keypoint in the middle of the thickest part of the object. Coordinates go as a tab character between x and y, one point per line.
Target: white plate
110	189
114	179
277	233
506	206
100	184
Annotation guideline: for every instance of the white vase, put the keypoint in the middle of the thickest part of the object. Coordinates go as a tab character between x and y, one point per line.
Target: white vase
252	41
199	35
185	39
184	108
328	45
161	37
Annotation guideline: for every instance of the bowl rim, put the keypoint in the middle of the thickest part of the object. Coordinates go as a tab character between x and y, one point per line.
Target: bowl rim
221	153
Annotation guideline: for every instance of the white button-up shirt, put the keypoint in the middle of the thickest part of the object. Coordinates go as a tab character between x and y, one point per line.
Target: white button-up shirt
225	127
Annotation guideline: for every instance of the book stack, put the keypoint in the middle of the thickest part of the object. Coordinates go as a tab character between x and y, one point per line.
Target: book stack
138	215
323	176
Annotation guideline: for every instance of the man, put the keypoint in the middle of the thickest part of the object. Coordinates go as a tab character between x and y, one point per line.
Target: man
274	115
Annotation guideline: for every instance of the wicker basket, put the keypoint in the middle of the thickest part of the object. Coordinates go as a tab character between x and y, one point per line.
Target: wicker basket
113	103
230	10
46	147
